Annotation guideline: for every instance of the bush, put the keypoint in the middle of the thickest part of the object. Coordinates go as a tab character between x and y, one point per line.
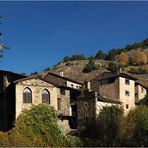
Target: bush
108	124
138	71
134	130
90	66
114	67
144	101
41	122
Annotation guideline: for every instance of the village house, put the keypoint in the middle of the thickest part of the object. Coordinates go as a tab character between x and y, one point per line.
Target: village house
50	88
75	103
109	89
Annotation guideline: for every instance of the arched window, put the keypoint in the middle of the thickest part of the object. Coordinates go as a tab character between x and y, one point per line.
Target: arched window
45	96
27	96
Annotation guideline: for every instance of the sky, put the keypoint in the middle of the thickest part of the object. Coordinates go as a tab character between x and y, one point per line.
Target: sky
40	34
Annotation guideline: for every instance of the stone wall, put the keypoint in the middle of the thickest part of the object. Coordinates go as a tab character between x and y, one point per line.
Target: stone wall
89	108
108	88
86	106
37	86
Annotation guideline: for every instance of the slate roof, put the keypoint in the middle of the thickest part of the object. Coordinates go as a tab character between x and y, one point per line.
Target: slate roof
51	78
108	75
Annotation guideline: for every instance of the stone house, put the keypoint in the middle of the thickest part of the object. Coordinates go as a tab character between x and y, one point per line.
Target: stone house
118	86
50	88
108	89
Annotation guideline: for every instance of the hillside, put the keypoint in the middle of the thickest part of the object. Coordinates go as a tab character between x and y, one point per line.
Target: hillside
74	70
72	67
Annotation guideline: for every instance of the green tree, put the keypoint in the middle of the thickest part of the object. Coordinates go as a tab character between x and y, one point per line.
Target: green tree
108	124
114	67
100	55
144	101
90	66
134	129
40	124
112	54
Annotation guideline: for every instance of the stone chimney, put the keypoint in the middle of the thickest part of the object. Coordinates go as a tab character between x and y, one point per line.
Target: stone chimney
87	85
61	74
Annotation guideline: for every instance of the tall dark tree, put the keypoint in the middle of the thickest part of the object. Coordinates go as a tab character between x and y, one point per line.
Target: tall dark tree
100	55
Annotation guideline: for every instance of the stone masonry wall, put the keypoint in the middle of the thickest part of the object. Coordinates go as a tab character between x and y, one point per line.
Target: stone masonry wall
37	86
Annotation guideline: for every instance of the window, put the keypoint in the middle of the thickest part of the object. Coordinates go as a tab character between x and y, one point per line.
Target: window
127	93
71	85
45	96
127	81
27	96
62	91
127	106
59	104
77	87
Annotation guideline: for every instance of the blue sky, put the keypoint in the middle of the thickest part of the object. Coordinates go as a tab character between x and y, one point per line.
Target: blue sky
40	34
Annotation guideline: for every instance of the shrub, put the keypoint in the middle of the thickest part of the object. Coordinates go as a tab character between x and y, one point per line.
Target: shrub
40	123
114	67
108	124
138	71
144	101
90	66
134	129
123	58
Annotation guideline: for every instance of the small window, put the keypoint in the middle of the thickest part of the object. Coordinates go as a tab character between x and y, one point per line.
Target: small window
27	96
45	96
127	81
62	91
127	106
77	87
127	93
59	104
71	85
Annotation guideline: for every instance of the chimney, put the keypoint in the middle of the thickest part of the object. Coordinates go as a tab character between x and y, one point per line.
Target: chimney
120	70
87	85
61	74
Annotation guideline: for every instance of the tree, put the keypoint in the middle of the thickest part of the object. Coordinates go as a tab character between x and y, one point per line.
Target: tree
100	55
2	46
90	66
114	67
139	58
108	123
123	58
144	101
112	54
134	129
40	124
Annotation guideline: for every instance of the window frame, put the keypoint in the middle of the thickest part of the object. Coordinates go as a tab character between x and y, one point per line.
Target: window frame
59	104
45	96
127	93
27	96
127	81
62	91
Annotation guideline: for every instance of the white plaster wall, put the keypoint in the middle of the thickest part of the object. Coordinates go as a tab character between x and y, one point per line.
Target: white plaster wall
75	85
130	100
100	105
36	86
141	94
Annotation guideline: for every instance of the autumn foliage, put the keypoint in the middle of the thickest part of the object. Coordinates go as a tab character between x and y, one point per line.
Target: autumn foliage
139	58
123	58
